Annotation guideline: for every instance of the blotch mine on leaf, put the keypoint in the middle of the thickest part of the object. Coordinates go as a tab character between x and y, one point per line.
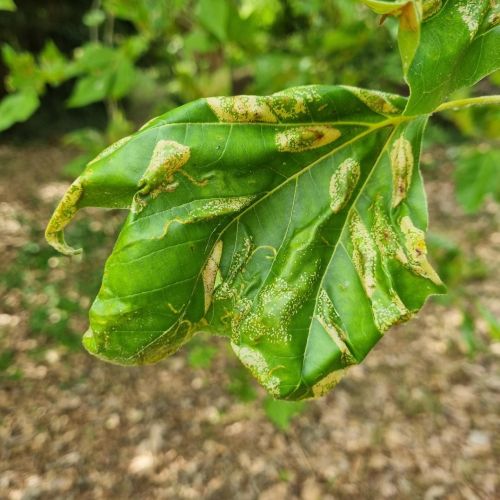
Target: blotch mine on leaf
376	101
330	321
385	237
293	103
417	251
211	208
257	364
327	383
297	139
64	212
209	273
470	12
387	307
167	158
343	182
242	109
402	169
364	255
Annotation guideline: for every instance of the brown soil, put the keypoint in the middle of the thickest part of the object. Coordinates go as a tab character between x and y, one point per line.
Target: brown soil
419	419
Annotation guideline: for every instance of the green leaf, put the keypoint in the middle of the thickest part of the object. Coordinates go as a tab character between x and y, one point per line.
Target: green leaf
213	16
54	65
292	224
458	46
7	5
106	72
24	74
17	107
476	176
281	413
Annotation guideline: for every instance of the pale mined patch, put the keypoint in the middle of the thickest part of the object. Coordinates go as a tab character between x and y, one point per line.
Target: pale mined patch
168	157
402	169
297	139
329	320
242	109
328	383
257	364
431	7
388	311
343	182
226	288
385	237
376	101
364	254
417	251
111	149
387	307
470	12
210	209
62	216
209	273
293	103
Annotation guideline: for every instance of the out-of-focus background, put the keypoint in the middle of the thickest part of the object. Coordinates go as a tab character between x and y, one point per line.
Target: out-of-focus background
419	419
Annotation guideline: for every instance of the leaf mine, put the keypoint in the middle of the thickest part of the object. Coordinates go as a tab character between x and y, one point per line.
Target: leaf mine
417	251
402	169
343	182
298	139
242	109
65	211
209	273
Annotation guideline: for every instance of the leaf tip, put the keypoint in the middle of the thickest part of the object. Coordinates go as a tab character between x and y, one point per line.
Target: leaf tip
62	216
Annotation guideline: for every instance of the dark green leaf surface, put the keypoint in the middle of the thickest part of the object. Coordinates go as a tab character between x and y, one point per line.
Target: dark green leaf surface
292	224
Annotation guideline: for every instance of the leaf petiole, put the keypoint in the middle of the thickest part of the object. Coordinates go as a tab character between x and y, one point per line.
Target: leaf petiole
465	103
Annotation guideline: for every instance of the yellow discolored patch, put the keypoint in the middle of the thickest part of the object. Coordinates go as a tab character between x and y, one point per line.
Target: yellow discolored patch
376	101
470	12
385	237
209	273
417	251
343	182
298	139
62	216
364	254
326	384
329	320
242	109
257	364
168	157
402	162
388	311
294	103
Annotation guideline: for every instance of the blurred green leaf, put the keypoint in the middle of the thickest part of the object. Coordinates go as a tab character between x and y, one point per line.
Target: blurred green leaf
213	16
17	107
7	5
492	322
54	66
106	72
281	413
201	355
94	17
476	176
24	73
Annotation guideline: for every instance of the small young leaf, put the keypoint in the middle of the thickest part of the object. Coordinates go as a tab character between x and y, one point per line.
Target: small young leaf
17	107
292	224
